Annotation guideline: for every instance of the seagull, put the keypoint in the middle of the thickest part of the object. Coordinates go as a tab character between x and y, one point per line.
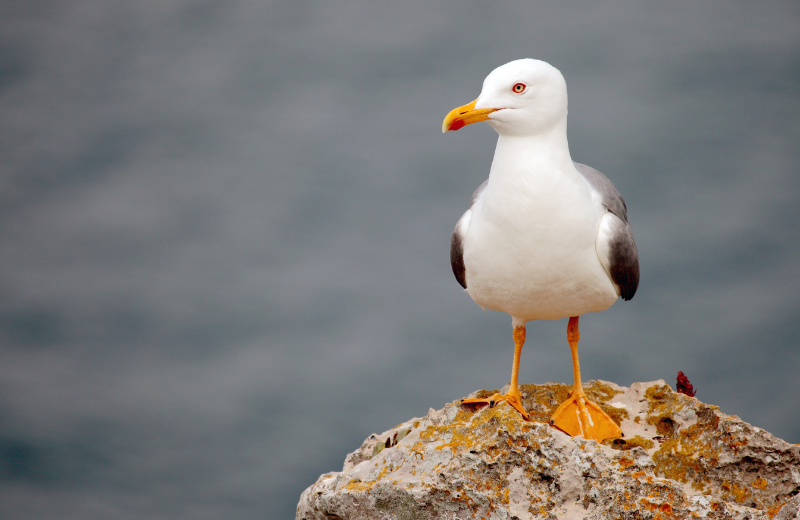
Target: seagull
544	238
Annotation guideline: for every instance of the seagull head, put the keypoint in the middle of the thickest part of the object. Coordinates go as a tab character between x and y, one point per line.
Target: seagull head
523	97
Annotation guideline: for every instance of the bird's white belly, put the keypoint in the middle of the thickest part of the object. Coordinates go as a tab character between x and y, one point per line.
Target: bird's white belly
536	261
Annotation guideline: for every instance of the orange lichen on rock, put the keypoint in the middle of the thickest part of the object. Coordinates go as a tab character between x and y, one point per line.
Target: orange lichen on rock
625	463
629	443
681	459
734	492
696	436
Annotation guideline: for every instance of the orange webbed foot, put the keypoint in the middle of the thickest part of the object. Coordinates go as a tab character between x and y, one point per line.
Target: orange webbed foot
579	416
514	399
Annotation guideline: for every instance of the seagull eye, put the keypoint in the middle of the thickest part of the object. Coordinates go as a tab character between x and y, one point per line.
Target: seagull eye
519	88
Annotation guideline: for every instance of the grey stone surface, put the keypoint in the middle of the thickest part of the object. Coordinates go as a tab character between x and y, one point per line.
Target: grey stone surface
790	511
680	458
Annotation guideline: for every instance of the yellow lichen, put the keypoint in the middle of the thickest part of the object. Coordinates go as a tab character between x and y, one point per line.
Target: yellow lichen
734	491
689	454
625	463
630	443
772	511
358	485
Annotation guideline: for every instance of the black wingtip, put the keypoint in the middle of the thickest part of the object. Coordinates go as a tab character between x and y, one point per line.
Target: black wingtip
457	260
629	282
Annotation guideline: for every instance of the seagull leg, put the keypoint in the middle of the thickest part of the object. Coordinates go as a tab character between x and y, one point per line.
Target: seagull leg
513	397
577	415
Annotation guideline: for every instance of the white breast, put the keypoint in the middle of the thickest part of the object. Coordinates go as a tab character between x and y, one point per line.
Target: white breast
529	248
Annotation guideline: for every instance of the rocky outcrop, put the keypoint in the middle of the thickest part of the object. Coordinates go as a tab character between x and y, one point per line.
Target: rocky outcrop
679	458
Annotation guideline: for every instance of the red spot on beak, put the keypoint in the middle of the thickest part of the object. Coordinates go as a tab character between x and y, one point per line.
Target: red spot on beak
456	124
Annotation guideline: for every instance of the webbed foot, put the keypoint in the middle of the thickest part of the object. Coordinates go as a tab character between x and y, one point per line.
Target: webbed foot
512	398
579	416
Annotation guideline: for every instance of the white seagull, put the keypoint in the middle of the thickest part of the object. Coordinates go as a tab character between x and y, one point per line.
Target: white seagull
544	237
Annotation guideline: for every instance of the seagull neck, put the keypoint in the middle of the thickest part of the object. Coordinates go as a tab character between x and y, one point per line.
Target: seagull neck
549	146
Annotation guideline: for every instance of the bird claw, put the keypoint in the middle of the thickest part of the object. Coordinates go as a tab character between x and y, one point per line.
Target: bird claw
493	400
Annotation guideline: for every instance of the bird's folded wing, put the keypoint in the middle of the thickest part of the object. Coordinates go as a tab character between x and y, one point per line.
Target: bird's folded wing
457	241
615	245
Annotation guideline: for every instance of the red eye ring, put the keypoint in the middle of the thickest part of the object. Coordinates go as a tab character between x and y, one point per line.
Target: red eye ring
519	88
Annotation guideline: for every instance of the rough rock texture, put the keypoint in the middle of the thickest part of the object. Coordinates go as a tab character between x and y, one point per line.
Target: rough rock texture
680	458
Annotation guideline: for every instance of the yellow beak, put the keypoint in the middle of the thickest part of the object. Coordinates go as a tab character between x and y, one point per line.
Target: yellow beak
466	115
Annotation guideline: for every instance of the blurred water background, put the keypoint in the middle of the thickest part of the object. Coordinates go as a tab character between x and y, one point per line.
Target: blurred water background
224	230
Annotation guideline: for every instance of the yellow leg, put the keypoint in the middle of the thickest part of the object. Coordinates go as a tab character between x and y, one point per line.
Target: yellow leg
513	397
577	415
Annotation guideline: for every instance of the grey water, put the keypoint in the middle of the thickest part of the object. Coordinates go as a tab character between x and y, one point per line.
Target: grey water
224	230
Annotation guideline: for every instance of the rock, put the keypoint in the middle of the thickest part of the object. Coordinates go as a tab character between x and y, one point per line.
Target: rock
680	458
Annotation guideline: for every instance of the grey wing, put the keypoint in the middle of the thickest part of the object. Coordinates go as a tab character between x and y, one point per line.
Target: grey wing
616	246
457	240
